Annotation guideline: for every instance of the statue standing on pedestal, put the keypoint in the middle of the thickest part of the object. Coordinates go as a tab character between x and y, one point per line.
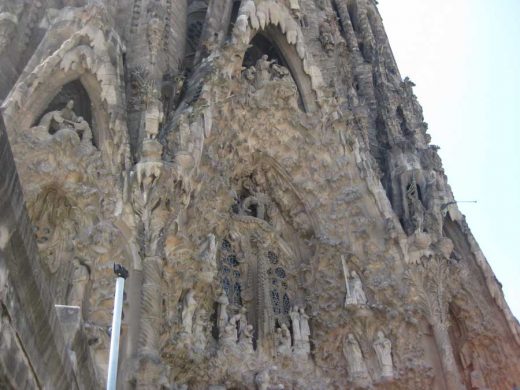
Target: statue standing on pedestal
383	348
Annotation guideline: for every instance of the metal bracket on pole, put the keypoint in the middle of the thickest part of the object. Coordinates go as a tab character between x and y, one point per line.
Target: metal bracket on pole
122	274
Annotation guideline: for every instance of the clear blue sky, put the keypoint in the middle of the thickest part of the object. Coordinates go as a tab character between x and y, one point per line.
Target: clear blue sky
464	56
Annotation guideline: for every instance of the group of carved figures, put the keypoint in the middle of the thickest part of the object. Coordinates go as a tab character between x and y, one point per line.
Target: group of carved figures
233	331
67	118
264	71
382	346
300	335
357	369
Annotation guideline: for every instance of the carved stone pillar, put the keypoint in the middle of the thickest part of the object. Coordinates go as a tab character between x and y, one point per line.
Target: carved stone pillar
449	366
151	310
431	277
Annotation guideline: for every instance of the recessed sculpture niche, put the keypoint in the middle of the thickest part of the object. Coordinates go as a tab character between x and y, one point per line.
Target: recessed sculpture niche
70	108
264	62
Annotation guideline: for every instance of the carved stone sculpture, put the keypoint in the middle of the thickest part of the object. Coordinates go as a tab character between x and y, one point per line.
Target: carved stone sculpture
263	74
383	348
199	329
295	325
246	339
80	278
55	120
283	338
188	309
222	314
357	369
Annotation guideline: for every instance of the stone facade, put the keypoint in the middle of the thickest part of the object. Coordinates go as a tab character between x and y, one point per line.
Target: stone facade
263	172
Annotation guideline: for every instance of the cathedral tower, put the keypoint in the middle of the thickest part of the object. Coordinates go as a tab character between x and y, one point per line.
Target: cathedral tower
264	173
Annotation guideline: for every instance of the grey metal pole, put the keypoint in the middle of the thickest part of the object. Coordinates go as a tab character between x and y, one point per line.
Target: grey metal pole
122	274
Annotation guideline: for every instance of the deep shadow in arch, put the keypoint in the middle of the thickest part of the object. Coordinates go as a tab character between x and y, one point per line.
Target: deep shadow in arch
272	41
75	91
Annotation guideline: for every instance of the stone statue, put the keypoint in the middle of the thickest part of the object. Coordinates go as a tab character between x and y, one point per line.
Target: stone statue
263	74
228	339
246	339
263	379
199	335
305	331
80	278
209	250
295	321
222	314
55	120
358	295
280	71
383	348
283	338
242	321
356	365
154	116
188	310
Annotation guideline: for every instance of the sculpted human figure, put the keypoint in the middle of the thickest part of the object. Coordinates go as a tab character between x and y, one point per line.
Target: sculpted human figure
223	317
280	71
305	330
242	321
187	311
199	336
209	250
55	120
80	278
263	75
383	348
283	336
246	339
229	337
154	116
295	321
357	289
356	365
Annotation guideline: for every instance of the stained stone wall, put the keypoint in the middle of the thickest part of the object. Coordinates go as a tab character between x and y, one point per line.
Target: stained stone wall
265	174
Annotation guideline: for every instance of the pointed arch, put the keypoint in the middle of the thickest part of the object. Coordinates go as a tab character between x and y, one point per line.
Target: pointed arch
91	57
289	57
274	22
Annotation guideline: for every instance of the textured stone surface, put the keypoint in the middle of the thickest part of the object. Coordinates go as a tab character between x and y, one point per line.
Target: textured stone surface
264	173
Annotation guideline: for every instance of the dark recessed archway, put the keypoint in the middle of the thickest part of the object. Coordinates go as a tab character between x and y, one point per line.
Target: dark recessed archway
71	91
272	41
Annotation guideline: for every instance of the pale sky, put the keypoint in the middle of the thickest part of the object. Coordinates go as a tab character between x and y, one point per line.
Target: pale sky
464	56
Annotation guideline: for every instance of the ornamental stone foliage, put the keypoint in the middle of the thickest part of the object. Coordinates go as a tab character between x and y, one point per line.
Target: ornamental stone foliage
263	172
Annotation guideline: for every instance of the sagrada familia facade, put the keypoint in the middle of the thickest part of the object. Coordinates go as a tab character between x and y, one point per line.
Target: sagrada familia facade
264	173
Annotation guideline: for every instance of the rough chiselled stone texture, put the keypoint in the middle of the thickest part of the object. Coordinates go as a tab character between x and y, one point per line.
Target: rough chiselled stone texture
263	172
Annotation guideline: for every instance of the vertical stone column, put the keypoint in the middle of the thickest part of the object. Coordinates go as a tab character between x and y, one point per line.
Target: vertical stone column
151	310
449	366
346	23
217	20
369	41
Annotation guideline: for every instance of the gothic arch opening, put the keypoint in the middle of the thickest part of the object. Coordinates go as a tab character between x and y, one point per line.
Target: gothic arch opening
273	43
76	92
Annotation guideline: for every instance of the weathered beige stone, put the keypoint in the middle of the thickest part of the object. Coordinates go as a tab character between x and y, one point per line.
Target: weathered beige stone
264	173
